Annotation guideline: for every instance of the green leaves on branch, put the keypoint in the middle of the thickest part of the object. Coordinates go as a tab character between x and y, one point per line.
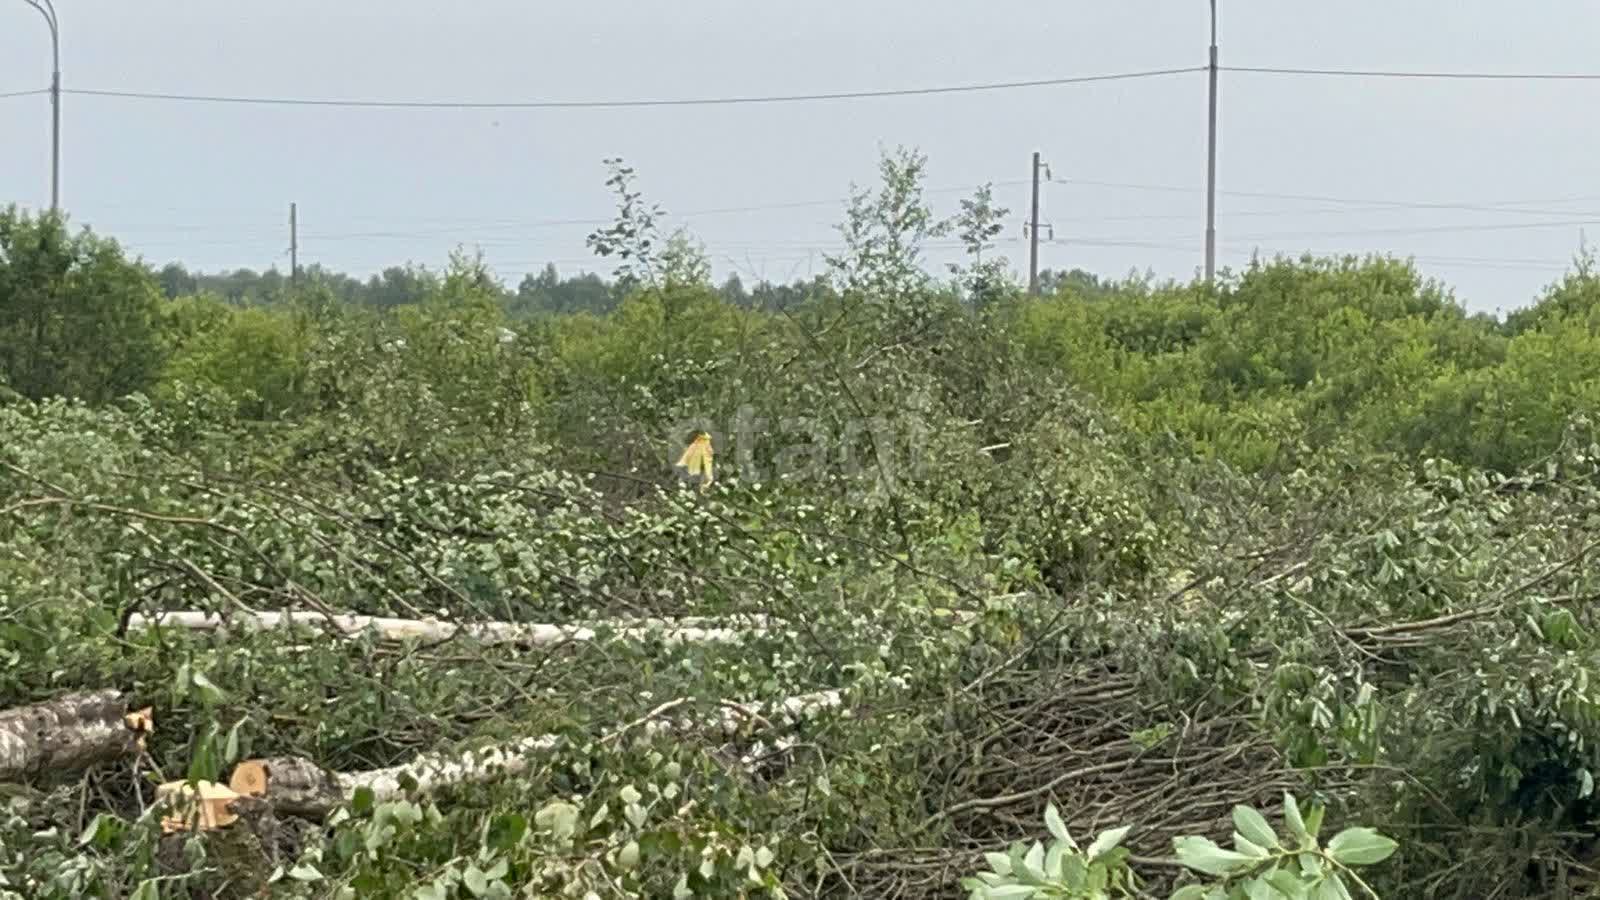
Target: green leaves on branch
1060	871
1263	865
1291	867
1360	847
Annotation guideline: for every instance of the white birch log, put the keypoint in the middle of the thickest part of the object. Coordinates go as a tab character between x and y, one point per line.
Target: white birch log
671	631
68	733
297	786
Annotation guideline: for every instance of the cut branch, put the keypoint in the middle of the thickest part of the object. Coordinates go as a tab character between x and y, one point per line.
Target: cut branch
299	787
69	733
672	631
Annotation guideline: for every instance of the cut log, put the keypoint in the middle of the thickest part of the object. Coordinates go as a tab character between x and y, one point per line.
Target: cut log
672	631
292	785
203	806
299	787
69	733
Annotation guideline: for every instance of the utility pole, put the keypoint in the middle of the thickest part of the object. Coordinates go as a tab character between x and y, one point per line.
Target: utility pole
47	9
1033	232
1211	158
294	248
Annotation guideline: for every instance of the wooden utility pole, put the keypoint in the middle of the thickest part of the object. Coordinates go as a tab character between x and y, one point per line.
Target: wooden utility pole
294	247
1033	232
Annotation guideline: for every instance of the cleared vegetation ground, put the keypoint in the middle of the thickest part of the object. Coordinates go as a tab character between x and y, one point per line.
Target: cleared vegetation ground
1141	554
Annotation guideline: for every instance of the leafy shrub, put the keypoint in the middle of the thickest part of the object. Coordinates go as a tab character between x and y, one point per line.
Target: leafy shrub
1295	866
77	318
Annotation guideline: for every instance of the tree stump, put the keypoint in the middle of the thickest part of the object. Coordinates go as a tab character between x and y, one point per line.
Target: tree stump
242	853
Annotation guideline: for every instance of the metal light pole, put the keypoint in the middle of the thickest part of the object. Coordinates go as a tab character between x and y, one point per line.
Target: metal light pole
1211	159
47	9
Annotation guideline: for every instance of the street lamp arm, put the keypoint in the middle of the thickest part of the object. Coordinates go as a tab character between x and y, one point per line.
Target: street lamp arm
48	10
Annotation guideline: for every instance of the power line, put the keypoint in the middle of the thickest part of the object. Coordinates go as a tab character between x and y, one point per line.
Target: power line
1509	206
817	96
445	228
476	237
620	104
259	218
1425	229
812	97
1155	242
253	235
1348	209
1391	73
435	226
1364	232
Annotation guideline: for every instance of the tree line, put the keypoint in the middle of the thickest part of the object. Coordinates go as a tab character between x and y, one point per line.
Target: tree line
548	292
1288	352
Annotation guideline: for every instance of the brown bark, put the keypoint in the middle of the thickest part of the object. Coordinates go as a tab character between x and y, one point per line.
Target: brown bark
69	733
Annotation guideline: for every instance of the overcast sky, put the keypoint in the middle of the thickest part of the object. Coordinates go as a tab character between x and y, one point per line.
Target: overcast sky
210	184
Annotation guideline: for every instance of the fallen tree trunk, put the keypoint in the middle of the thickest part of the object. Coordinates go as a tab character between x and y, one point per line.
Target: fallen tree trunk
69	733
299	787
693	631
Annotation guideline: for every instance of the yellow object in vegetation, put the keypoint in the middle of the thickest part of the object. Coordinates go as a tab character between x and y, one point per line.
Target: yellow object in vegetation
202	806
696	459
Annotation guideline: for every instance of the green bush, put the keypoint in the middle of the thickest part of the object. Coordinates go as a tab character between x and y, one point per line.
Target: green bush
77	318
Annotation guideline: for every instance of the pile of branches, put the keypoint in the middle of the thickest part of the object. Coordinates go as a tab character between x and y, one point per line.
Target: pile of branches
1413	650
1106	753
1376	643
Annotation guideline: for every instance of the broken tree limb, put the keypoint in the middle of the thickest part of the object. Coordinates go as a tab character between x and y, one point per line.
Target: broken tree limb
299	787
692	631
69	733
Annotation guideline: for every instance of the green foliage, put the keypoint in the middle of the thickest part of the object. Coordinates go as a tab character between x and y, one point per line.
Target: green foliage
258	359
883	232
77	318
1159	551
549	294
1294	866
1063	870
979	222
1575	296
1325	351
634	238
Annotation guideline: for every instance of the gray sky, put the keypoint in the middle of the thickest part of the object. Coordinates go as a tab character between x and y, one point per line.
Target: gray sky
210	184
